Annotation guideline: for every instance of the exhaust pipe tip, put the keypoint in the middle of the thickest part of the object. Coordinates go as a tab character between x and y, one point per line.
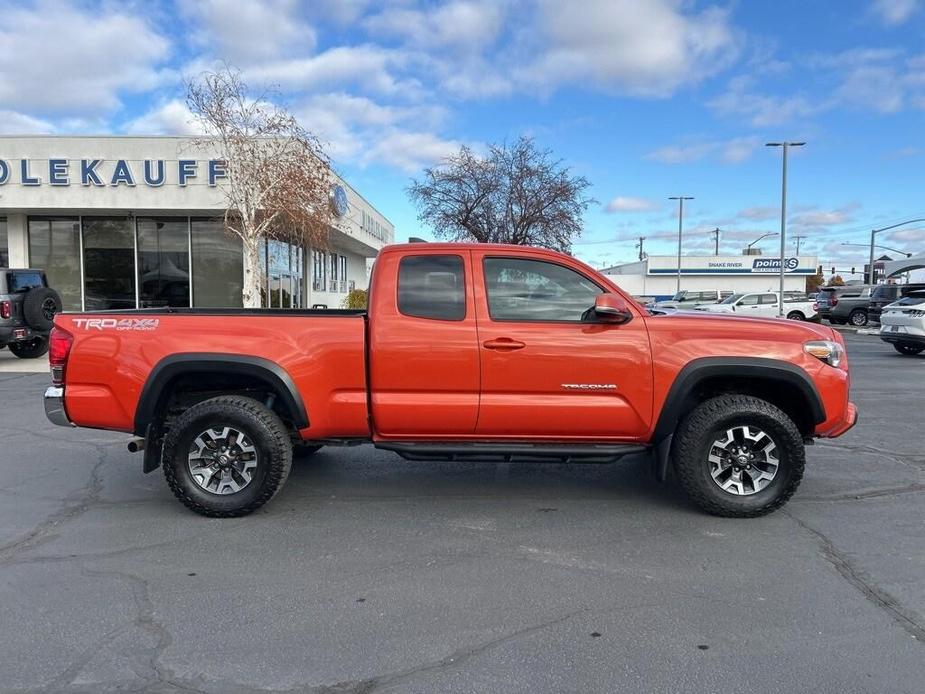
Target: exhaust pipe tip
135	445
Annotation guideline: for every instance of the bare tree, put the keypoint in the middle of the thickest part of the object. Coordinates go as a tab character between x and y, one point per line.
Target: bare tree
515	194
278	175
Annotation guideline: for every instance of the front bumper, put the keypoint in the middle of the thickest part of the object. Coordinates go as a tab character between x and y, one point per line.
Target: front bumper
847	421
54	406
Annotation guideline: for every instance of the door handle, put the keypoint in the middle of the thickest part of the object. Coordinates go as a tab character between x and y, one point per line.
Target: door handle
503	344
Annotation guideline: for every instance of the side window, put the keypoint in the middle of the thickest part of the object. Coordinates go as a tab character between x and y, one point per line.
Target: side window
432	286
768	299
749	300
535	290
24	281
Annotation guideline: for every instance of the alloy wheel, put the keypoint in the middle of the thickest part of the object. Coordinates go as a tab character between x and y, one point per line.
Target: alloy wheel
743	460
222	460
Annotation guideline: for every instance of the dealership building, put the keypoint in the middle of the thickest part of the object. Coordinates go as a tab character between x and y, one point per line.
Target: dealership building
656	277
126	222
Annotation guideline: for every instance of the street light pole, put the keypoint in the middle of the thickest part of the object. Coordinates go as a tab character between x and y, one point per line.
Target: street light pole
783	219
680	199
873	234
748	248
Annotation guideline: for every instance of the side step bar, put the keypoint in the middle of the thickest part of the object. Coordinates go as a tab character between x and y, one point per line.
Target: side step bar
502	452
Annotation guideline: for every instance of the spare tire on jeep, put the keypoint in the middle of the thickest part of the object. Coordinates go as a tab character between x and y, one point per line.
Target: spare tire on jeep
39	308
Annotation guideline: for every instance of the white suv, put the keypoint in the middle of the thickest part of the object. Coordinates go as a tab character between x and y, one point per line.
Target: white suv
764	305
902	323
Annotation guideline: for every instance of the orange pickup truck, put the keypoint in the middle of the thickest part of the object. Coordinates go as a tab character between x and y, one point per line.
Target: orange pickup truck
467	352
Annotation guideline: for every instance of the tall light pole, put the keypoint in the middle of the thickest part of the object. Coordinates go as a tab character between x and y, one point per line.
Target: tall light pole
748	248
783	219
873	234
680	199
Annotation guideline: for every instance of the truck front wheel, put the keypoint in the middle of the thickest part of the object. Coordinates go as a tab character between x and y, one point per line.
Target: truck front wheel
738	456
227	456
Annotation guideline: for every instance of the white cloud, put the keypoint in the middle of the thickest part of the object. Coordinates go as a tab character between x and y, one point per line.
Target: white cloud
59	57
759	214
629	204
641	48
894	12
463	25
733	151
410	151
361	130
243	31
170	118
825	218
13	123
762	110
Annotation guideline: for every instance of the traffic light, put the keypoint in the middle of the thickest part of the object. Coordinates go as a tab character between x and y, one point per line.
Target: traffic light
852	270
833	269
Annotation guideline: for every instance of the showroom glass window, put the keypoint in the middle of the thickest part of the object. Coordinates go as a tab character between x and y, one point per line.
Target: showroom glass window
54	246
4	244
109	263
535	290
318	270
218	265
163	262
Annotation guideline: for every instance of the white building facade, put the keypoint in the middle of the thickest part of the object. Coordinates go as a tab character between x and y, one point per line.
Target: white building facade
656	277
126	222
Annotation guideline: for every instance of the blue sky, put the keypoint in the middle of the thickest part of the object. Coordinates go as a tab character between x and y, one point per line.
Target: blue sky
647	99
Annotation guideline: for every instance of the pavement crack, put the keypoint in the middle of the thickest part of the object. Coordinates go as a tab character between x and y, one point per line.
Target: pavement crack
856	578
76	504
911	488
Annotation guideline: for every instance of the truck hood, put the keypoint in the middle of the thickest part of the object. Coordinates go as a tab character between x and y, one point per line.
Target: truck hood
723	318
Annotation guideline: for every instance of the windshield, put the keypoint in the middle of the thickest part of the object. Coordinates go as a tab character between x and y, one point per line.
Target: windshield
732	299
914	299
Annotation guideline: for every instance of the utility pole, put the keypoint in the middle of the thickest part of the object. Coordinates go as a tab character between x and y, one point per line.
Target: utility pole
797	239
783	220
680	199
715	233
639	246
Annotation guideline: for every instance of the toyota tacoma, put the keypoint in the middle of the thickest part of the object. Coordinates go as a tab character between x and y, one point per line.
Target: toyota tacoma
466	352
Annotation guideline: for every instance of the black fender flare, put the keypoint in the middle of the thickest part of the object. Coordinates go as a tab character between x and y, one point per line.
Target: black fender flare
699	370
168	368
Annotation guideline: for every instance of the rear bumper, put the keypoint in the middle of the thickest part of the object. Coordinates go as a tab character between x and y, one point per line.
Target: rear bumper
17	333
894	338
54	406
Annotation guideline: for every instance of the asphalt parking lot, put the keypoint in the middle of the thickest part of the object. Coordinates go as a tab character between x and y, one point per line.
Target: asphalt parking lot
371	574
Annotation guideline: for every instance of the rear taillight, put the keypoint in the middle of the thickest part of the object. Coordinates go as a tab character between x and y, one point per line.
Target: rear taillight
6	309
59	347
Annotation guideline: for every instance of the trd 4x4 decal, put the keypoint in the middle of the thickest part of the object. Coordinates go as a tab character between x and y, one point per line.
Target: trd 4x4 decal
117	323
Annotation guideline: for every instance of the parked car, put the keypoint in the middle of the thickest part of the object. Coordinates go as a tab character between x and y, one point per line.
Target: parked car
467	351
687	298
884	294
27	308
902	323
829	297
850	308
797	306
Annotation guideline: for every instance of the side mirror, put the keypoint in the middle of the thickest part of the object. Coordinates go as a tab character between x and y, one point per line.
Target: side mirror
611	308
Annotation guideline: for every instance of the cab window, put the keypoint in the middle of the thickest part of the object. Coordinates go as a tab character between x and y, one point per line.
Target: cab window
535	290
432	286
749	300
768	299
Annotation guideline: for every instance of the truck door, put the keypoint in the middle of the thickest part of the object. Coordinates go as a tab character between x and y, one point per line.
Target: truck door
547	371
767	305
423	346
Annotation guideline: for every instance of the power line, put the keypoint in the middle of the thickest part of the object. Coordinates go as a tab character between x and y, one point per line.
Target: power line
798	239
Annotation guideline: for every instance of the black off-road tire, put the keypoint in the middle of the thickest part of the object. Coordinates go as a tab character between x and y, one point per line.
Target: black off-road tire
32	349
908	349
858	318
302	451
796	315
39	308
694	438
270	439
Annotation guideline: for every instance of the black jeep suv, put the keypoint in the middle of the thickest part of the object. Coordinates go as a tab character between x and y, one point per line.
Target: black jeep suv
27	307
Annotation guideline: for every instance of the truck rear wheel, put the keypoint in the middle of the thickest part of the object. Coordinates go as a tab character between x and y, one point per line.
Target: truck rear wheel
227	456
738	456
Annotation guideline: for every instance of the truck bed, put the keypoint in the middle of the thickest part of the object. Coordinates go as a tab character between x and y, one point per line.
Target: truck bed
116	353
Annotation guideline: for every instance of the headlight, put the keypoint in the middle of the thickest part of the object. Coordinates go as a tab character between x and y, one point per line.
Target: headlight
828	351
